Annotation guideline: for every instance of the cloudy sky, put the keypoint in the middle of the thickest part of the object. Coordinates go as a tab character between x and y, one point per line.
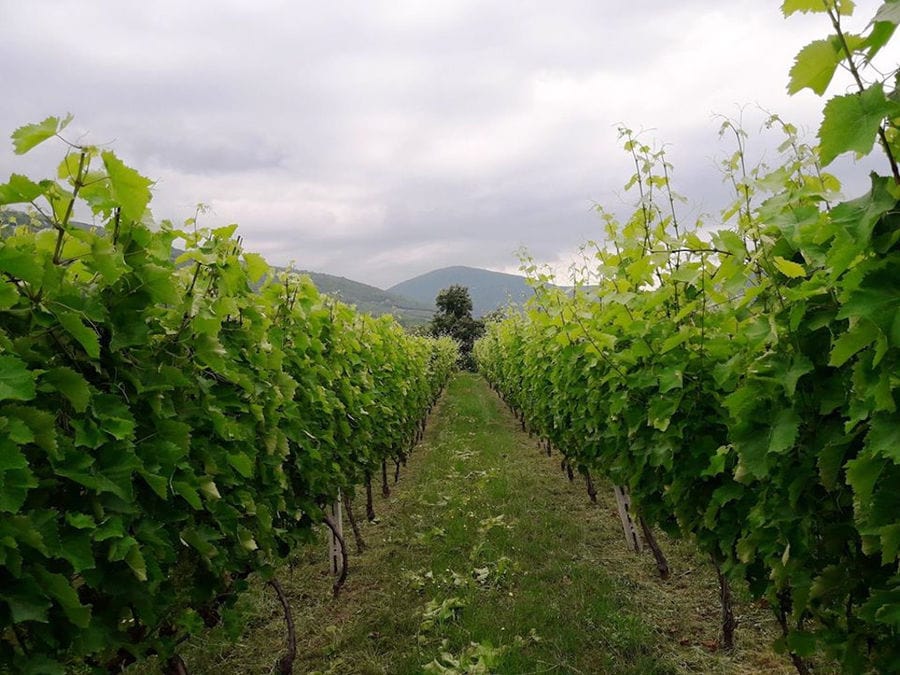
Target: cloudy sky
382	139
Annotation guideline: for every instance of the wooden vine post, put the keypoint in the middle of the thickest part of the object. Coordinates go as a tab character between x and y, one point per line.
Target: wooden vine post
335	549
632	533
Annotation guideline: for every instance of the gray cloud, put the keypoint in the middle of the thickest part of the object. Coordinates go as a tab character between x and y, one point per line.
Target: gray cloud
382	139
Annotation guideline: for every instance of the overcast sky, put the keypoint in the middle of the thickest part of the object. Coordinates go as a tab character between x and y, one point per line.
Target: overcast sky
382	139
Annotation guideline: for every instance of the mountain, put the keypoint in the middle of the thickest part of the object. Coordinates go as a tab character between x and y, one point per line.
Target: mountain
372	300
488	290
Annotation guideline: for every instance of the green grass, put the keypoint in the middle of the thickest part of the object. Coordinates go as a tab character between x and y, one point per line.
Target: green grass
485	552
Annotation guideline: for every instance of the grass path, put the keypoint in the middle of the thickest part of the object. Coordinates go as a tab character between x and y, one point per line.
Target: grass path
485	556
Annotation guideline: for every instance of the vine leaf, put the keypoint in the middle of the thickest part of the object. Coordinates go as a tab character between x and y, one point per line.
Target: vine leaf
19	190
26	601
814	67
21	265
61	590
861	335
130	189
862	474
884	438
85	335
11	457
784	431
241	463
16	484
135	560
789	268
9	296
71	385
852	121
256	266
884	23
16	382
26	137
788	7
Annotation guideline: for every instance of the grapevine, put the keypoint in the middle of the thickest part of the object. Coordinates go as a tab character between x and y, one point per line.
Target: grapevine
742	382
171	421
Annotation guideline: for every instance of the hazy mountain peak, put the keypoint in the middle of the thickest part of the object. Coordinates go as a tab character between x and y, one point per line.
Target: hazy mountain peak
488	289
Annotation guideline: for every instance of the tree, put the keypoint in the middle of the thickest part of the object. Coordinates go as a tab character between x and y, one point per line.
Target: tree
454	318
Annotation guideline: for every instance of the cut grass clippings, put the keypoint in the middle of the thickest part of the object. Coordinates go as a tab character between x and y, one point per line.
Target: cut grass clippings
487	559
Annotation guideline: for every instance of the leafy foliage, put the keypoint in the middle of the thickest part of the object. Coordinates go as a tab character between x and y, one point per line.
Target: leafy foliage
168	427
742	381
454	319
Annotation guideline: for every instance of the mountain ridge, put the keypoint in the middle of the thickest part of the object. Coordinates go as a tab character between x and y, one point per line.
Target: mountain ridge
371	299
488	289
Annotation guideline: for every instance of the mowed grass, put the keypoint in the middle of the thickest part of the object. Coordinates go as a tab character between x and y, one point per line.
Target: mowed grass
487	559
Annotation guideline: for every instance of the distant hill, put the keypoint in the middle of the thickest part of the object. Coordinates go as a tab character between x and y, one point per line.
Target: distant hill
488	290
372	300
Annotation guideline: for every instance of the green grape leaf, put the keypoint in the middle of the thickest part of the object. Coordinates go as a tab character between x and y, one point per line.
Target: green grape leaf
884	438
660	412
26	601
81	521
21	264
859	336
225	231
116	417
829	463
789	268
119	548
800	366
209	489
788	7
110	529
814	67
188	492
880	35
129	188
135	560
17	430
876	299
200	541
77	550
85	335
106	259
70	384
16	381
26	137
241	463
19	190
159	484
670	379
890	546
41	423
11	457
862	474
59	588
161	284
752	450
784	430
852	121
256	266
732	242
9	294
